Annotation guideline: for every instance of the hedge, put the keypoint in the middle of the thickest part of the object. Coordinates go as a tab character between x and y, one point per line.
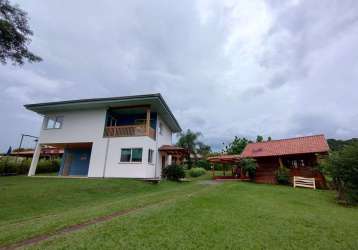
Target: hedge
18	166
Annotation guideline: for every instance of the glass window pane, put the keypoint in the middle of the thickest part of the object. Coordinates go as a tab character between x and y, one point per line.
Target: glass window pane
50	123
137	154
125	155
150	155
58	123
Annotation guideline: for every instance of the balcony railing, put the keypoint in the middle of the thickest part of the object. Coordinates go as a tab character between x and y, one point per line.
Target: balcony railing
129	131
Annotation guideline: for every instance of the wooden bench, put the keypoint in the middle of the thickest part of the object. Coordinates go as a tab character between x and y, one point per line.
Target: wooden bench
299	181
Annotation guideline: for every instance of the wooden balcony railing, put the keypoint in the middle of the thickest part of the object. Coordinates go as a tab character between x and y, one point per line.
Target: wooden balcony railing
129	131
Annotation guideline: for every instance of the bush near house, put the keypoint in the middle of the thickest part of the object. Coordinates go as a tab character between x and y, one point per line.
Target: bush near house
196	172
173	172
283	175
18	166
342	167
205	164
249	166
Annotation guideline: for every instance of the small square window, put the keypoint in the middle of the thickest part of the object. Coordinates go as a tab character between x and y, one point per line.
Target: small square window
53	122
126	155
131	154
137	154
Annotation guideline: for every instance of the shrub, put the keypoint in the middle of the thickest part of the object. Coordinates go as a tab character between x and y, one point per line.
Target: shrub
15	165
48	166
203	164
283	175
173	172
249	166
196	172
342	166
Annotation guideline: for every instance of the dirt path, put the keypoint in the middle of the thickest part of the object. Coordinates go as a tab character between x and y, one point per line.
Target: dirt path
101	219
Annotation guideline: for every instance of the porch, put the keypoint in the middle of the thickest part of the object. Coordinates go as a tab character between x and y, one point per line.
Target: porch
130	121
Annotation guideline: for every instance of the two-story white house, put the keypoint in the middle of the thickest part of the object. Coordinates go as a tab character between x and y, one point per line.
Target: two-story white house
127	137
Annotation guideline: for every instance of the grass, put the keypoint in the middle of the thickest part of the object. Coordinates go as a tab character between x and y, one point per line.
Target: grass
231	215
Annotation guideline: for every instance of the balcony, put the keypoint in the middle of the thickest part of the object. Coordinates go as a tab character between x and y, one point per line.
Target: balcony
129	130
130	122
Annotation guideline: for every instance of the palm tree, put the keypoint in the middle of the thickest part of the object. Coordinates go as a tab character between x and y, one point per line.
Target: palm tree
189	141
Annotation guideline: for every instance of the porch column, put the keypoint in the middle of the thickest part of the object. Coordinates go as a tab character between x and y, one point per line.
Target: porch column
213	170
35	160
169	160
147	124
280	162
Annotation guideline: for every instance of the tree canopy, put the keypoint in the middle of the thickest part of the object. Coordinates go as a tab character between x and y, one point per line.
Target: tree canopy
190	141
342	166
15	35
236	146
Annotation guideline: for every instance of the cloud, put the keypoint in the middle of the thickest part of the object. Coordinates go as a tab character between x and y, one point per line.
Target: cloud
225	68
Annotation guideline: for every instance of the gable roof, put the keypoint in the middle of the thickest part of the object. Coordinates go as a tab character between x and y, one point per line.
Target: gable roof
155	101
292	146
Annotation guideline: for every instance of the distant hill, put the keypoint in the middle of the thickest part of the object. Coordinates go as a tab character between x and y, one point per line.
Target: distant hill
339	144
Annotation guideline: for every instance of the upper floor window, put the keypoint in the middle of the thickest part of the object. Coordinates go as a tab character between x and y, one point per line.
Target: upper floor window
53	122
131	154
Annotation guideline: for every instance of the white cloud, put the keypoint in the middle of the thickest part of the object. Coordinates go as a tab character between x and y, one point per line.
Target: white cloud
225	67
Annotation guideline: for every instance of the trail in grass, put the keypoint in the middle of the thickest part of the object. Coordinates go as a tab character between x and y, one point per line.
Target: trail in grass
101	219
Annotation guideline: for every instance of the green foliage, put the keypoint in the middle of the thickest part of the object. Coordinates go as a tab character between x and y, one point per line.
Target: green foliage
336	145
14	35
259	138
173	172
342	166
283	175
249	166
203	164
190	141
236	146
196	172
18	166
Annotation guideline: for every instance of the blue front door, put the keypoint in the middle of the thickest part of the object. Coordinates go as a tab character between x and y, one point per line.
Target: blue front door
75	162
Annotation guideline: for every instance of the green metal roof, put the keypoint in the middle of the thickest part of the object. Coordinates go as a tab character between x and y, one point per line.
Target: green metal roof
155	101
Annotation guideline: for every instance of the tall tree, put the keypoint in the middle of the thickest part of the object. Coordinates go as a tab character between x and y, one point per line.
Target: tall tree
190	141
236	146
259	138
15	35
203	149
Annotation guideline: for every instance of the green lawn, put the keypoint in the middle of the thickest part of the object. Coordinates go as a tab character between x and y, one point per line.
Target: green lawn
198	214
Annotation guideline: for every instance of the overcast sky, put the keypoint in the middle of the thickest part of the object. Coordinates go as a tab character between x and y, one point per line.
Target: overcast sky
225	68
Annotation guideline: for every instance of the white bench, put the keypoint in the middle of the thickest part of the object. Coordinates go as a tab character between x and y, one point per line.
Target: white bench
299	181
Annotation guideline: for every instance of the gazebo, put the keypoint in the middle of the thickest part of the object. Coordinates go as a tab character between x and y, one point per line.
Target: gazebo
234	161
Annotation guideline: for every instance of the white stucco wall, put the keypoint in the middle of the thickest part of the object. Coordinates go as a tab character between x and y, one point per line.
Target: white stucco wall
88	126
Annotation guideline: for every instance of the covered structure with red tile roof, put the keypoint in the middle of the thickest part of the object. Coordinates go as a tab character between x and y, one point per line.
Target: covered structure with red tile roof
300	155
173	154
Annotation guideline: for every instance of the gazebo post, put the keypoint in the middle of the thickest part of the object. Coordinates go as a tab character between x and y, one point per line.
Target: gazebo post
213	170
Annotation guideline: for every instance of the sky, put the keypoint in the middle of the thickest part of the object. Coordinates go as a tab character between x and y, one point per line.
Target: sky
226	68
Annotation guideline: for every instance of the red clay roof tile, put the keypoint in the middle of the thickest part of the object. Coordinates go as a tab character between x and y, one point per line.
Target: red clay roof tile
299	145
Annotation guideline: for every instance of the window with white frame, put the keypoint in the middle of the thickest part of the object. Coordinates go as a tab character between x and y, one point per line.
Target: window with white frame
150	155
53	122
131	154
